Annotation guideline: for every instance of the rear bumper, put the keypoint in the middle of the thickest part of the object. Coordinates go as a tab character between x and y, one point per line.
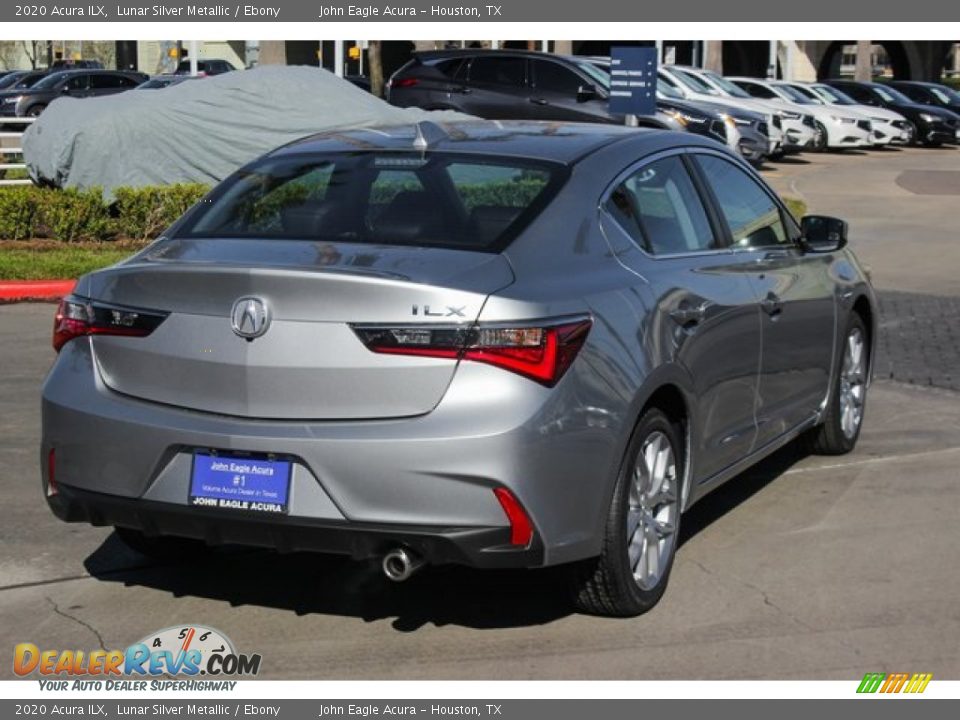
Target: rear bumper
426	482
478	547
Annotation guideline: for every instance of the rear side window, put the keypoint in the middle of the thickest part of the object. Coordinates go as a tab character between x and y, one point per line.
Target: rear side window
659	207
450	67
503	71
758	91
554	78
751	214
439	200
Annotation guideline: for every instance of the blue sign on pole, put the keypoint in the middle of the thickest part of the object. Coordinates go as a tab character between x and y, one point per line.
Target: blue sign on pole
633	80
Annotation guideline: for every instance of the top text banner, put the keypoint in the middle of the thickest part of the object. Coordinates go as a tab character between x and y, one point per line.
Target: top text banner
300	11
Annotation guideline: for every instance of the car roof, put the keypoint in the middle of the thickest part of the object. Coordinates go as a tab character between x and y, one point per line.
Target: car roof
503	52
552	141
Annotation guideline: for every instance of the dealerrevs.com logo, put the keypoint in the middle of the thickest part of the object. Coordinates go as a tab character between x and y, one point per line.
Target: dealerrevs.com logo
179	651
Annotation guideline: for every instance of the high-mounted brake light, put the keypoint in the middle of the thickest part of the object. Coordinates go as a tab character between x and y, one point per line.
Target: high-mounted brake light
77	317
542	351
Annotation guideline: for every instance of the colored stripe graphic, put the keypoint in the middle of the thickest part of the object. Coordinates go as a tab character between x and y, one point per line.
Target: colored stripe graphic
894	683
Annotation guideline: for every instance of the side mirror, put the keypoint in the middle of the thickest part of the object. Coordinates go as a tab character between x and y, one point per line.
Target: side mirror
822	233
586	92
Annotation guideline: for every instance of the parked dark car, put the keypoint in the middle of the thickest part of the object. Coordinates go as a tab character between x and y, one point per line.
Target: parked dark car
212	66
928	93
21	79
934	125
72	83
507	85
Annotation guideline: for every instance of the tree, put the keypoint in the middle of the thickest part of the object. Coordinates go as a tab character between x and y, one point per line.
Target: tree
33	50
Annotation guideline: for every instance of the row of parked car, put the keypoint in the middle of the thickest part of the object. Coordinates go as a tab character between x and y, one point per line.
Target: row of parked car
26	93
758	118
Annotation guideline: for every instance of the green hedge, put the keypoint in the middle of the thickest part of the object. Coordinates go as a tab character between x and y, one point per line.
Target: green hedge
28	212
71	216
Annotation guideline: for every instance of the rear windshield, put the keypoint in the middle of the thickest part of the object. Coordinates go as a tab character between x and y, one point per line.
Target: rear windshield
430	200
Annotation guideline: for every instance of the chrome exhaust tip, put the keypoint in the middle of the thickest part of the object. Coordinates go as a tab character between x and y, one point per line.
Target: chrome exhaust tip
399	564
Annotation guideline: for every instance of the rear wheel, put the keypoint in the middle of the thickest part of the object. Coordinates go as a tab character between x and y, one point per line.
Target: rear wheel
631	574
162	547
838	433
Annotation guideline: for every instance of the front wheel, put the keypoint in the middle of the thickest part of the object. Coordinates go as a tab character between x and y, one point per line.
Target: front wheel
36	110
631	574
820	139
838	433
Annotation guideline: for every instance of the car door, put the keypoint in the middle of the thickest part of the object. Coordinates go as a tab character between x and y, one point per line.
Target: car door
796	296
496	88
705	318
554	94
77	85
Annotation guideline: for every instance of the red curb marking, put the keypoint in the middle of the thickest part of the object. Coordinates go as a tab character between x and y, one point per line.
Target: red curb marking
23	289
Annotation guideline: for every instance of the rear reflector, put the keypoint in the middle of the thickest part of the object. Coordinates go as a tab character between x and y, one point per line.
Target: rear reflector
78	316
52	488
521	529
541	351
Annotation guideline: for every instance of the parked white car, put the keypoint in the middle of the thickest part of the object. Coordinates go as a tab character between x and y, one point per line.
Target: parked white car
798	127
836	127
687	92
888	126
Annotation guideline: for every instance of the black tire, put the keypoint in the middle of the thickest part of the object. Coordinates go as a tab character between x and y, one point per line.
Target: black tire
161	548
829	438
821	144
606	585
35	110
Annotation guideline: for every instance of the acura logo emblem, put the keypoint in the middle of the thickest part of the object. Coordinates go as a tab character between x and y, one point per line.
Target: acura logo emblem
250	317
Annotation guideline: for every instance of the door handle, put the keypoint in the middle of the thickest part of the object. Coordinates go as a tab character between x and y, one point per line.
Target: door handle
460	89
772	305
538	101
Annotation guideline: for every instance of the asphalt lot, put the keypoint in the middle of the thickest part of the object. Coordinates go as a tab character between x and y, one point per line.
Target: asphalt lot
804	567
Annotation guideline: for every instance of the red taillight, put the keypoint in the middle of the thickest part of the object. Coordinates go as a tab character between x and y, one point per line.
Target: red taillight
77	317
52	488
541	352
403	82
521	529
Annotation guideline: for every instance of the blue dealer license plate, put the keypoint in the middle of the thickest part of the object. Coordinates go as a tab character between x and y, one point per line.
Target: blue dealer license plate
240	483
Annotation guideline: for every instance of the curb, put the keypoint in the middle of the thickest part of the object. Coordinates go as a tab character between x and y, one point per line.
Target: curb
14	290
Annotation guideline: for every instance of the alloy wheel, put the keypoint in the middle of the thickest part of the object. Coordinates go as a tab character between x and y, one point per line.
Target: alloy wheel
652	512
853	383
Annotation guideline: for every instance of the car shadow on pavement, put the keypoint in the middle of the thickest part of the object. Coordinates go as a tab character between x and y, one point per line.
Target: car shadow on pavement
309	583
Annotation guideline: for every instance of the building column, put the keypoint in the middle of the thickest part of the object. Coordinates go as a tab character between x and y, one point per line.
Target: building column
273	52
713	55
863	71
563	47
